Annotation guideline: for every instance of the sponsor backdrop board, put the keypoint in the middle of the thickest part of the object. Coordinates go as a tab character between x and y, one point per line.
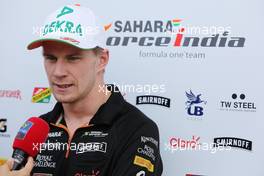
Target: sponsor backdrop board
194	67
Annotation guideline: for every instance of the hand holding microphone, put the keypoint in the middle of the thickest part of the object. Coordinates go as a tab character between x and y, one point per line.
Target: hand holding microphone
5	170
28	140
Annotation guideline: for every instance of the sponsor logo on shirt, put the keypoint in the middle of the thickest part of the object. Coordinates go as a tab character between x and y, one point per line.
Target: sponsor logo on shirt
147	151
94	173
142	162
45	161
145	139
95	134
141	173
55	134
92	147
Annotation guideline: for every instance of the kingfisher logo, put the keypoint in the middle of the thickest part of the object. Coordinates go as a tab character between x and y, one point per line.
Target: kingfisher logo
168	33
194	104
41	95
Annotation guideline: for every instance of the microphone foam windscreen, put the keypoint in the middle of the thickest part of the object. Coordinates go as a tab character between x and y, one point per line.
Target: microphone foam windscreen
31	135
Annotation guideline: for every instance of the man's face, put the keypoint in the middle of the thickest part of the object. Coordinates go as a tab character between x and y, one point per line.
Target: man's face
71	71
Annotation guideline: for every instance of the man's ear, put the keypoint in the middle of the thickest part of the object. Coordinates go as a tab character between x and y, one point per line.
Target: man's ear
103	58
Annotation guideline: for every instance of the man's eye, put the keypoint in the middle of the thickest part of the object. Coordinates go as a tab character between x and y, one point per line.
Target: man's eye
50	58
73	58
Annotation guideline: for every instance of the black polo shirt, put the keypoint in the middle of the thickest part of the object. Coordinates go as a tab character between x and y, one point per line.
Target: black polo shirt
119	141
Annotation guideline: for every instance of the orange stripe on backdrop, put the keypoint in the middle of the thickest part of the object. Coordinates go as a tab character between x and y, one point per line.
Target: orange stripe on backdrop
106	27
176	20
2	161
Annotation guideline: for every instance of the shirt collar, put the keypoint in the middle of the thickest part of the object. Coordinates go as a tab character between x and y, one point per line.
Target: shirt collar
106	114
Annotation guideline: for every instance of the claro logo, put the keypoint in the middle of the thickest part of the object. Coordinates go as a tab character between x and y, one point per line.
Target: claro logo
167	36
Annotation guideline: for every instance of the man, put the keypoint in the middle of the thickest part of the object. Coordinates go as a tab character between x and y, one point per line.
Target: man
93	130
5	170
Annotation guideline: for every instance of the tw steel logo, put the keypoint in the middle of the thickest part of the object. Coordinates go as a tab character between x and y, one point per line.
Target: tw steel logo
178	39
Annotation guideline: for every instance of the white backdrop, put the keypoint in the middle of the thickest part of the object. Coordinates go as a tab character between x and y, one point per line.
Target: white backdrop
217	73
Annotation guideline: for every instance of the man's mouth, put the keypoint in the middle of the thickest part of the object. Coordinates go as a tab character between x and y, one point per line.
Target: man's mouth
63	86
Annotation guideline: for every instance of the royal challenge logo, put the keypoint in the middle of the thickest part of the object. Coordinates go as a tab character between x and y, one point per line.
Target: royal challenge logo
195	104
239	103
41	95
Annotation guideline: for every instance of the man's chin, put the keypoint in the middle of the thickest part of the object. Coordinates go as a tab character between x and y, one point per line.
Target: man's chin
64	99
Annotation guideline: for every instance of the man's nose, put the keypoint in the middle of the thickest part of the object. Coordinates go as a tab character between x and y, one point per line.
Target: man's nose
60	68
